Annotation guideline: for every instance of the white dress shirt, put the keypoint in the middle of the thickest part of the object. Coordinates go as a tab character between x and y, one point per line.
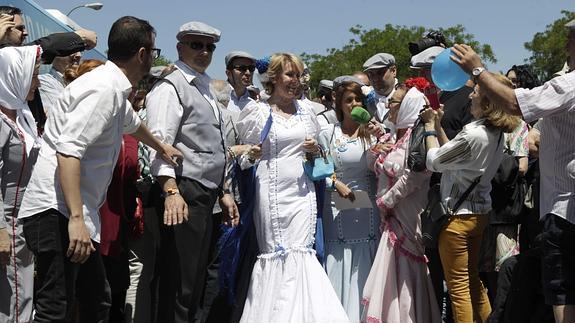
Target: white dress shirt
51	87
87	123
477	150
164	119
236	103
554	101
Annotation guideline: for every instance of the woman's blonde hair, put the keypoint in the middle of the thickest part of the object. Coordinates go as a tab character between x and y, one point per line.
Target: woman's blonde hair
495	114
278	63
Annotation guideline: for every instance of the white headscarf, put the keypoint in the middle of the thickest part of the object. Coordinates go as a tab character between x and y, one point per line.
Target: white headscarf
17	67
409	109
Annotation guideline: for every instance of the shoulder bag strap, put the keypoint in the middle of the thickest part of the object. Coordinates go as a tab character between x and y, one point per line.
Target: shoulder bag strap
473	184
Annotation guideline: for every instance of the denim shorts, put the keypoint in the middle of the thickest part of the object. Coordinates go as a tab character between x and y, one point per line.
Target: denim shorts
558	261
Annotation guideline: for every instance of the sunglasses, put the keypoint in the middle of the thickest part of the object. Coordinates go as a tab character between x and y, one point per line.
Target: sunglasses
244	68
155	52
196	45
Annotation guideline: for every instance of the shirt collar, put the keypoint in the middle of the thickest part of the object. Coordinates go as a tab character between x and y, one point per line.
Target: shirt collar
119	77
57	75
190	74
243	97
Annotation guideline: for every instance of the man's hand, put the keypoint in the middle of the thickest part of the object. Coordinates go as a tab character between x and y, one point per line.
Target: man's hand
89	37
6	22
230	210
170	154
175	210
465	57
80	246
5	247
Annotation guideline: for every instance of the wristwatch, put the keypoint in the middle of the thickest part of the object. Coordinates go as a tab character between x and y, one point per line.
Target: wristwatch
476	72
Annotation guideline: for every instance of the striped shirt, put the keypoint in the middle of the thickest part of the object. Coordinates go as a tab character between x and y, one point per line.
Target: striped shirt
475	151
554	101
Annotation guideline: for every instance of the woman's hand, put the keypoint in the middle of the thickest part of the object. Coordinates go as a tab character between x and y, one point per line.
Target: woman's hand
254	153
344	191
310	145
5	247
382	148
428	116
375	129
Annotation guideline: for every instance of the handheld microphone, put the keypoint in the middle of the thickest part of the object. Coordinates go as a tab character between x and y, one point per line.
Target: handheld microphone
360	115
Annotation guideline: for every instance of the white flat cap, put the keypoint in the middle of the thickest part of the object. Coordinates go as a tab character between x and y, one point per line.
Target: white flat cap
199	28
380	60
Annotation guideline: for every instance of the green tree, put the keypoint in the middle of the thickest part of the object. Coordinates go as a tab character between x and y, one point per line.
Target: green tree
548	51
162	61
392	39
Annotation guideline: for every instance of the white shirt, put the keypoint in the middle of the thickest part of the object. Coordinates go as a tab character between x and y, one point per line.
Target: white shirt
87	123
554	101
477	150
165	117
51	87
237	104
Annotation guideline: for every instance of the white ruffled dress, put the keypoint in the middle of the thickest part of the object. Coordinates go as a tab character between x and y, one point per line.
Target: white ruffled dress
288	284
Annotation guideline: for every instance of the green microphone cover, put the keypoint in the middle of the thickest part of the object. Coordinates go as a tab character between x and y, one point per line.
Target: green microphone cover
360	115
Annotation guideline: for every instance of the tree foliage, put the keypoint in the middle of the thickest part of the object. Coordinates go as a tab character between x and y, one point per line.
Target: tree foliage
548	51
162	61
392	39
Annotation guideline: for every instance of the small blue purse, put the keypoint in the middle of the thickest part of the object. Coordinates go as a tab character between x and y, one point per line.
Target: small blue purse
319	167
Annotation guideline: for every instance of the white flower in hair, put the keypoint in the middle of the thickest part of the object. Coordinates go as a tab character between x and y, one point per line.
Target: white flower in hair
366	90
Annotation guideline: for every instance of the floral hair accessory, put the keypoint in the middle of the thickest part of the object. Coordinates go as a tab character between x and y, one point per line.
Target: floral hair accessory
419	83
262	64
369	95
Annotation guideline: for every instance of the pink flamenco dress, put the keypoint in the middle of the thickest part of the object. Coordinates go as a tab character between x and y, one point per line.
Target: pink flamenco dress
398	288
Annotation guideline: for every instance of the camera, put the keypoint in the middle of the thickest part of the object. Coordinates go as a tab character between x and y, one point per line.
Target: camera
433	38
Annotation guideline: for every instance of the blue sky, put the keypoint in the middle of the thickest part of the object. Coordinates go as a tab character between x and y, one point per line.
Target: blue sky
312	26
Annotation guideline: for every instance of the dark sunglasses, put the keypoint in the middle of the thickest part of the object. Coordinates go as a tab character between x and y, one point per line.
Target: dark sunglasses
196	45
155	52
244	68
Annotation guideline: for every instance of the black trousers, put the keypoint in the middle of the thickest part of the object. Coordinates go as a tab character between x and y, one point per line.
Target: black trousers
184	255
58	281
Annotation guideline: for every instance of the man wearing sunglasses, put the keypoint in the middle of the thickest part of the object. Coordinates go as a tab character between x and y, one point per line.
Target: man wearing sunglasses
183	111
240	67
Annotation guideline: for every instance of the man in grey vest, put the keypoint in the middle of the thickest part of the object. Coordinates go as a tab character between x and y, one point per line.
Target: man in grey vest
183	111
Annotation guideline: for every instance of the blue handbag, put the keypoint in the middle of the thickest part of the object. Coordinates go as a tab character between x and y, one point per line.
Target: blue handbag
320	167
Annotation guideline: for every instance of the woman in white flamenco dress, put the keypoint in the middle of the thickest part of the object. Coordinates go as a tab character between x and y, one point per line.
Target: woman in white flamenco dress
288	284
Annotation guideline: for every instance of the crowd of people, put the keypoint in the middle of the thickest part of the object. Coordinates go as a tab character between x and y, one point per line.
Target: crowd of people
133	193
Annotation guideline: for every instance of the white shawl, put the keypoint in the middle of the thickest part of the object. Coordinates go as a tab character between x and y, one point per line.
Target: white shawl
17	67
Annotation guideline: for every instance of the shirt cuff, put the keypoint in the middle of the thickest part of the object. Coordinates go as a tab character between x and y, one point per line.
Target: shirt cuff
161	168
431	156
70	147
526	110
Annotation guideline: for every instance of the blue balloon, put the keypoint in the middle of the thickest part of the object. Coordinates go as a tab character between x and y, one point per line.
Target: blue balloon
446	74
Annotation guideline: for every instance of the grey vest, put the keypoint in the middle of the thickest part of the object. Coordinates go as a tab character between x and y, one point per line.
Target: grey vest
200	137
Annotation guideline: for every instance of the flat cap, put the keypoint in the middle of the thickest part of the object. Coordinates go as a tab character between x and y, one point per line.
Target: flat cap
200	29
346	79
328	84
424	59
238	53
570	25
380	60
